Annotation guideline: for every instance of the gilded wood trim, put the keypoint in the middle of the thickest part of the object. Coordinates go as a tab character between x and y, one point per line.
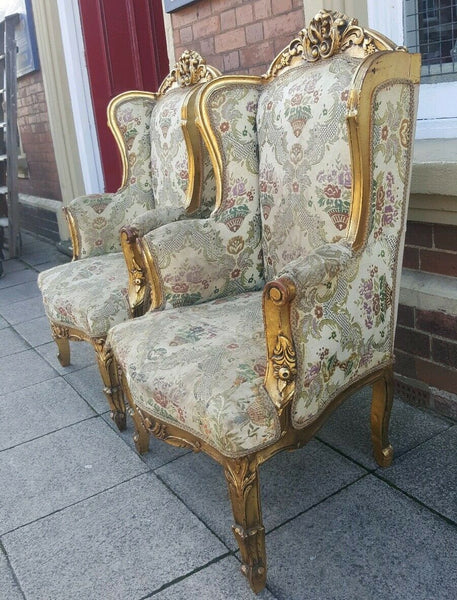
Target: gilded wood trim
281	358
203	122
373	72
115	127
138	289
152	275
74	235
327	34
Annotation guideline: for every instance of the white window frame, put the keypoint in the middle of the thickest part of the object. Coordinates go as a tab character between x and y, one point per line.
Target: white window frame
437	113
81	101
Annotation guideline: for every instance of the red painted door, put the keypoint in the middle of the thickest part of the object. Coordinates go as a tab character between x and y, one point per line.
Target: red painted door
125	50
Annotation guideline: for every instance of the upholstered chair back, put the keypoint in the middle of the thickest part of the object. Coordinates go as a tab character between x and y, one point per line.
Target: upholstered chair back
304	159
181	172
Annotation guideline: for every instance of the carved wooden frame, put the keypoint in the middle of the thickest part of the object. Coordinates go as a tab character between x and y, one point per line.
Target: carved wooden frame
327	34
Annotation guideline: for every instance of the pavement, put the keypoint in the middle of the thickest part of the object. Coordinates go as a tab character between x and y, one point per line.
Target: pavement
82	516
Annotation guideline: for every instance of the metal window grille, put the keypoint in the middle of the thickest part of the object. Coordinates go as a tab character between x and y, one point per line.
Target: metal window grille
431	29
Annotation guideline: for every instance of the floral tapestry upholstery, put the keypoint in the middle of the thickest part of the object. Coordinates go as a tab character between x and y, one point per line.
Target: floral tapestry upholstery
99	217
345	329
305	163
202	367
87	294
219	256
169	158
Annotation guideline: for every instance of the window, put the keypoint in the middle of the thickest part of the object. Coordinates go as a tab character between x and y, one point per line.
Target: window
431	29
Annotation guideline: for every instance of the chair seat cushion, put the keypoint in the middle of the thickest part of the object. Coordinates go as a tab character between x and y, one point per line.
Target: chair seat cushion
202	368
89	295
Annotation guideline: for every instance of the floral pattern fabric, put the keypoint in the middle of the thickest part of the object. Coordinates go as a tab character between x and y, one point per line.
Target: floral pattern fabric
89	295
202	260
345	329
202	368
305	163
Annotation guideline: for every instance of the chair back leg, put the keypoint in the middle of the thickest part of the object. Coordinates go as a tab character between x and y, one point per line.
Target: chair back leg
381	405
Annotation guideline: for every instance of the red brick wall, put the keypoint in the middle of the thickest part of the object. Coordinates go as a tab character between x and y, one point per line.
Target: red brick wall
33	124
432	248
237	36
426	340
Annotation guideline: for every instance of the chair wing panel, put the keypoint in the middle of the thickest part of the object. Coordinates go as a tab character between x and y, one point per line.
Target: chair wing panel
348	330
96	220
194	261
129	116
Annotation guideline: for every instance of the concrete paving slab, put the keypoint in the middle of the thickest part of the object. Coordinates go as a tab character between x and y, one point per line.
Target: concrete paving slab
88	383
290	484
159	452
13	264
38	410
18	293
219	581
25	310
64	467
3	323
36	332
123	543
367	542
81	355
11	342
348	429
14	278
429	474
9	590
23	370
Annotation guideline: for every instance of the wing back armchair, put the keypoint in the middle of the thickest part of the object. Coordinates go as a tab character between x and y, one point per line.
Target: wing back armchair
312	164
167	176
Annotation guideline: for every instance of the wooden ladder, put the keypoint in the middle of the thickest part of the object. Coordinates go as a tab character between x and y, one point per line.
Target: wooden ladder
9	197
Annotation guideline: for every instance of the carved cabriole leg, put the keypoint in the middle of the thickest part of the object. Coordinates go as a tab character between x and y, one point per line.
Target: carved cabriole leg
380	414
141	435
60	337
112	389
244	489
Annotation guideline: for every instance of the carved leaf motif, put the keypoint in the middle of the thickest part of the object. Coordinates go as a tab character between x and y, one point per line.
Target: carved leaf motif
284	361
328	33
239	476
190	69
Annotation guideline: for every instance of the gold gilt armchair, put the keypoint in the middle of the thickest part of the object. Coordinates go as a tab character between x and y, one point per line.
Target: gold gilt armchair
166	176
283	302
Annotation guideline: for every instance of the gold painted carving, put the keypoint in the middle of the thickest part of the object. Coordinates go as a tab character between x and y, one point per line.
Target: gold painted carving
284	362
191	68
328	33
281	365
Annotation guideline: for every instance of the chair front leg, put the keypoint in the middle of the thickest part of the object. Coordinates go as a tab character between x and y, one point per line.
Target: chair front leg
244	489
141	435
60	336
381	406
112	389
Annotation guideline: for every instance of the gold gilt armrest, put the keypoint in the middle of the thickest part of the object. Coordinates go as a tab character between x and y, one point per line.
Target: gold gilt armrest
300	278
138	286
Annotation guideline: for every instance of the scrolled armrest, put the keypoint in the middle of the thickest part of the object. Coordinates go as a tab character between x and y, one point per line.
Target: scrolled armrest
95	220
311	277
138	287
197	260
